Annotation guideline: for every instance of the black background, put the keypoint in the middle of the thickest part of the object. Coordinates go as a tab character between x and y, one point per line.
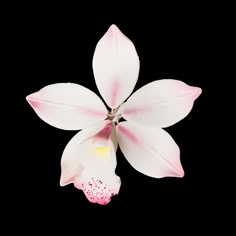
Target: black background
53	44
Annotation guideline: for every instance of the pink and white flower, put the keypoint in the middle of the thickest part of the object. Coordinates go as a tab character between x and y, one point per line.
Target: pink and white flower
89	159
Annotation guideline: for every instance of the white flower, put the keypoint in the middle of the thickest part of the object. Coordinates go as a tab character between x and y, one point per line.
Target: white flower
89	159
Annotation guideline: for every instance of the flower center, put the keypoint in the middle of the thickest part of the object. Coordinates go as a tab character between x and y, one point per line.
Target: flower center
114	115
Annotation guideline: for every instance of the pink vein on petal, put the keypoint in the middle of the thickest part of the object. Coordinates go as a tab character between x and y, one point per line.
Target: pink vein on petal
92	112
136	110
129	134
114	92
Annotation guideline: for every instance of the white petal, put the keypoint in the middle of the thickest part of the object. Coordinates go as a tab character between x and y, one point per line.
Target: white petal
68	106
89	161
160	103
115	67
150	151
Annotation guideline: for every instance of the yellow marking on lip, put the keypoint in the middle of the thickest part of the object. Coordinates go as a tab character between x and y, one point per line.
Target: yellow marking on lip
102	152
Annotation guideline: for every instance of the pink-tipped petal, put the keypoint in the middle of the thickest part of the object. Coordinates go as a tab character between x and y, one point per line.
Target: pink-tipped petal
89	161
151	151
68	106
115	67
160	103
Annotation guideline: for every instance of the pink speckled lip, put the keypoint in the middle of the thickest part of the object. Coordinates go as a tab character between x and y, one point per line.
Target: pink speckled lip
96	191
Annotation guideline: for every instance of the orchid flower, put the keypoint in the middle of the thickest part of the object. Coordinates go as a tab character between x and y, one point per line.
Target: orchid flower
89	159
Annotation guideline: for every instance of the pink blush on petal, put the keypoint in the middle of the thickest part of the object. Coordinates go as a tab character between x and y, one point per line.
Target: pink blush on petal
196	91
191	90
110	32
33	103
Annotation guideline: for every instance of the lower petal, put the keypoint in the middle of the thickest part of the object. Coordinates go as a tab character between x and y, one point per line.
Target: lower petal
150	151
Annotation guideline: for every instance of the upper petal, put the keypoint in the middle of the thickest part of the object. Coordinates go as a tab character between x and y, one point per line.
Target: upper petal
150	151
89	161
115	67
68	106
160	103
